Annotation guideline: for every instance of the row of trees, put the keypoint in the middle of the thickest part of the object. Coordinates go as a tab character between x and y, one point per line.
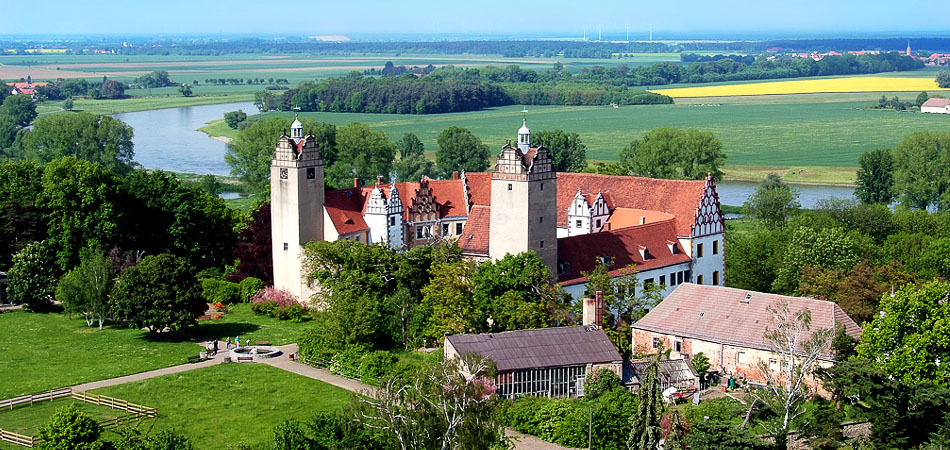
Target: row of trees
916	172
62	89
357	151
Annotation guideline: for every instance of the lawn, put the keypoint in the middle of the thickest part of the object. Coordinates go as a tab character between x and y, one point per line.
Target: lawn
145	103
241	321
29	419
46	351
220	405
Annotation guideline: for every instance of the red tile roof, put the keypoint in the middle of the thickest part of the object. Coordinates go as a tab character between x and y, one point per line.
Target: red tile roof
680	198
538	348
721	314
936	102
582	252
345	208
474	239
27	88
479	185
450	196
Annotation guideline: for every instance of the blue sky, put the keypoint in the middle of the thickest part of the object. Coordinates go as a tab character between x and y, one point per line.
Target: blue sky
484	17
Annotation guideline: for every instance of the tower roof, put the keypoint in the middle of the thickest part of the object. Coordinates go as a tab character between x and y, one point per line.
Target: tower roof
524	126
296	123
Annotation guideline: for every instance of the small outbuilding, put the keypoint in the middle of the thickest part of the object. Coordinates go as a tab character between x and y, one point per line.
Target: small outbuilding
544	362
936	106
676	373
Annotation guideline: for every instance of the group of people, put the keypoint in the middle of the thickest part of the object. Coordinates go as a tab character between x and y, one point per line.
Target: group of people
213	345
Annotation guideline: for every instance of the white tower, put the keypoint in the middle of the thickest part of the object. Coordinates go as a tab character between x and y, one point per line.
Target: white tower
524	135
296	189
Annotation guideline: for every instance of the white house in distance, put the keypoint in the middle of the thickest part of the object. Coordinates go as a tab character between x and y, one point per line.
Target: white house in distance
936	106
670	230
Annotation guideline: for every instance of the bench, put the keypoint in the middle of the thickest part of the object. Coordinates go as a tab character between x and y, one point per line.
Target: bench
261	342
245	358
194	359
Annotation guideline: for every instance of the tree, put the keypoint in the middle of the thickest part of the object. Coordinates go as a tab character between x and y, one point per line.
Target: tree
645	431
100	139
21	218
717	434
112	89
33	276
674	153
85	289
185	90
459	149
253	250
943	79
210	184
754	258
626	300
448	299
921	98
825	248
21	108
8	131
68	104
875	177
70	429
566	149
157	78
773	202
798	349
159	293
361	153
234	118
409	145
515	293
250	154
81	200
905	340
449	406
922	169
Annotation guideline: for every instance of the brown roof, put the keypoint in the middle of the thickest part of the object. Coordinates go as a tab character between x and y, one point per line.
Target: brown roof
345	208
542	347
721	314
474	240
937	102
581	253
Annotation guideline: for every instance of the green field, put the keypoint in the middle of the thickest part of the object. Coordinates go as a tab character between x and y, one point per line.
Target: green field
46	351
822	134
241	321
29	419
226	403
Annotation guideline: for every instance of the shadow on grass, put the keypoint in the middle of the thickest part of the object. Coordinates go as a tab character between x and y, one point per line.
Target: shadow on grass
201	332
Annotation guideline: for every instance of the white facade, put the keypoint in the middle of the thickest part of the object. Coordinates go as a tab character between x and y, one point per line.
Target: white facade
585	218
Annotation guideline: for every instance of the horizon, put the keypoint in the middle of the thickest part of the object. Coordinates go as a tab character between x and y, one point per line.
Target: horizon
685	19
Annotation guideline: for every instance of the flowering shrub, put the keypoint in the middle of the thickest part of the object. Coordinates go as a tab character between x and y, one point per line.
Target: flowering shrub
282	297
279	304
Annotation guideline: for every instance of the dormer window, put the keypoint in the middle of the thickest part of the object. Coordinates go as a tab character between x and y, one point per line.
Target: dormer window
645	253
603	259
674	249
564	268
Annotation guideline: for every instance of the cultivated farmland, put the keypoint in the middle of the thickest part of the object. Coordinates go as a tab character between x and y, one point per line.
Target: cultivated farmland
808	86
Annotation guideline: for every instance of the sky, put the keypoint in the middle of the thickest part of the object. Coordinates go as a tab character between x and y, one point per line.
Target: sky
541	18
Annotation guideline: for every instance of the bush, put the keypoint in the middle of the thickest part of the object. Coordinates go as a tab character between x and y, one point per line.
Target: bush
279	304
33	276
295	312
282	297
266	308
347	363
376	365
248	287
215	291
313	346
70	429
600	382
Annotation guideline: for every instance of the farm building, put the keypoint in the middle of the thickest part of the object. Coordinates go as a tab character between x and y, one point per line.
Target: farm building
544	362
670	230
936	106
25	88
727	325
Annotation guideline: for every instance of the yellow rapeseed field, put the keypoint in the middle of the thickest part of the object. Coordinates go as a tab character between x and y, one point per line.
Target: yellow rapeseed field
847	84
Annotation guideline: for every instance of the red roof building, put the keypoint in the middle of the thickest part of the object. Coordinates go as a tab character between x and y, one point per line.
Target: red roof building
25	88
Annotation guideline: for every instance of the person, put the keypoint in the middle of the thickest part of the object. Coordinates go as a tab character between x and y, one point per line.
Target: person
214	347
227	343
237	341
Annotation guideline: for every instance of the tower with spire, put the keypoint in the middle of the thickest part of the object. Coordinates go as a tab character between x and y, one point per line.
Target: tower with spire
297	196
908	48
524	202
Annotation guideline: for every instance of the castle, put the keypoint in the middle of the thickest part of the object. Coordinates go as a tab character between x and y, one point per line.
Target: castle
671	230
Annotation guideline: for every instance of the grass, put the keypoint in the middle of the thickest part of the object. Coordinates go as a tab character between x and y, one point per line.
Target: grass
29	419
241	321
223	404
807	86
46	351
145	103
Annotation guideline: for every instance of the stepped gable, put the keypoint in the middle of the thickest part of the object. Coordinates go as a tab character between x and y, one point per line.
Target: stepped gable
681	198
475	236
581	253
735	316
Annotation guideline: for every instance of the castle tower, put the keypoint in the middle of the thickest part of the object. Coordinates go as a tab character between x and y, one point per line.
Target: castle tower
524	136
296	189
524	202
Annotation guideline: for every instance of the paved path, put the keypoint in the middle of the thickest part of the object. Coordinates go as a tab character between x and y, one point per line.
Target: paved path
156	373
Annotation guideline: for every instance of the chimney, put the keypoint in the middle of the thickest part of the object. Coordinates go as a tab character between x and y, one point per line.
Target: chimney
455	175
594	310
379	179
356	182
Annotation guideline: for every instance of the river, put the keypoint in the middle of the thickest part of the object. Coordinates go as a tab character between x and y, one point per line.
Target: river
168	139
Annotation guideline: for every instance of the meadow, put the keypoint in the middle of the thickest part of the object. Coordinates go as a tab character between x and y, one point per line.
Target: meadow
821	135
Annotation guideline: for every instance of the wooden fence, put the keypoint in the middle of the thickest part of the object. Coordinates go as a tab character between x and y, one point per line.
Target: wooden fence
135	412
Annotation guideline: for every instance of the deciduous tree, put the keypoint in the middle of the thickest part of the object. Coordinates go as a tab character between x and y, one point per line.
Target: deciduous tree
100	139
566	149
21	108
875	177
773	202
32	278
85	289
943	79
71	429
459	149
361	153
159	293
674	153
922	169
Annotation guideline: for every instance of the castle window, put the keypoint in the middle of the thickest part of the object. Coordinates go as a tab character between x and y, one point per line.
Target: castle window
392	221
716	278
673	278
598	223
311	173
663	279
648	283
509	186
542	186
284	174
679	278
445	229
286	246
541	219
458	228
699	251
542	244
357	238
579	223
564	268
716	247
699	279
419	232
